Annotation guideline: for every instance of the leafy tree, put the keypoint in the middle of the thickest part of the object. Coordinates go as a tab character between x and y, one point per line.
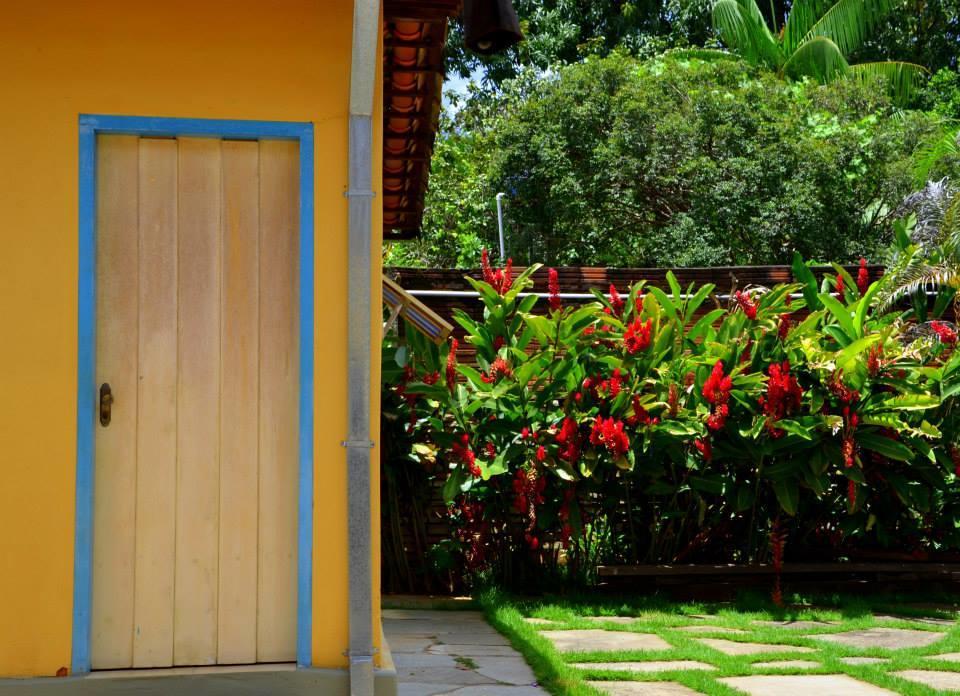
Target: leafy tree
676	162
814	41
926	32
566	31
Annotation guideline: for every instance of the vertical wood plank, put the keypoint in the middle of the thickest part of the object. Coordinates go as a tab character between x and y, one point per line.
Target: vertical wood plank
198	403
116	445
279	355
237	624
157	426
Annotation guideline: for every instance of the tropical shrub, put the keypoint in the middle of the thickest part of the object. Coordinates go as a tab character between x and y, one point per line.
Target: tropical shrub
679	425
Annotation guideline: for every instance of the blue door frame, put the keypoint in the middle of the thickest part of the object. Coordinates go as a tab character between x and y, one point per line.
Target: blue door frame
90	127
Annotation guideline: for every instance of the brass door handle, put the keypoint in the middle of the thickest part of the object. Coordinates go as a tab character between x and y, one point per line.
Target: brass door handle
106	403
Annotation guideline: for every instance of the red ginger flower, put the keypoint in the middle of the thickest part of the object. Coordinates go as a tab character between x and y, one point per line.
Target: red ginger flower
553	287
783	328
838	284
569	440
609	433
783	396
500	278
716	390
637	336
875	360
616	302
462	453
718	419
452	364
499	368
704	448
943	331
746	304
863	277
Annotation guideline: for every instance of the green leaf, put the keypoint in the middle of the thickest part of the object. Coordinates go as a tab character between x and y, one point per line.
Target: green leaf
840	313
891	449
911	402
788	495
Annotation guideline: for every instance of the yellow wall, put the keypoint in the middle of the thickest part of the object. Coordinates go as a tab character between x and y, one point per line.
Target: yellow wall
287	60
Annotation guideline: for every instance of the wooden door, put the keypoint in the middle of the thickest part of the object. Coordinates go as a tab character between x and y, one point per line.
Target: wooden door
195	503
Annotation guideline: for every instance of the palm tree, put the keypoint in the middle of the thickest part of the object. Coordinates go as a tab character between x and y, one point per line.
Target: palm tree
928	258
814	41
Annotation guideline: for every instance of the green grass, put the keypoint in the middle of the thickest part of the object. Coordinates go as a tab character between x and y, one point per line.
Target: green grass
661	617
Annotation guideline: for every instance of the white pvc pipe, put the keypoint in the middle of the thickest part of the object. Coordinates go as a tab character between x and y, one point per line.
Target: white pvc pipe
503	241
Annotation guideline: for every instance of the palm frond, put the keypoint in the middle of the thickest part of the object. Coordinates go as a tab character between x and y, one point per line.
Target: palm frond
850	22
742	28
930	153
950	228
904	78
803	15
818	58
916	276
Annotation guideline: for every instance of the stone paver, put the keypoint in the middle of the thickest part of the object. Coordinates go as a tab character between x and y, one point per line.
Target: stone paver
632	688
930	620
454	653
786	664
891	638
949	657
730	647
597	640
795	624
652	666
506	670
805	685
944	681
864	660
612	619
710	629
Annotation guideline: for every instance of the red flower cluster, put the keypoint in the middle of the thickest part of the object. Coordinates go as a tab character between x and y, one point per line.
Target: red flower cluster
783	328
783	396
863	277
569	440
609	433
462	453
528	487
875	360
553	287
838	284
500	278
746	304
637	336
704	448
944	332
616	302
673	400
716	390
848	398
500	368
640	415
452	364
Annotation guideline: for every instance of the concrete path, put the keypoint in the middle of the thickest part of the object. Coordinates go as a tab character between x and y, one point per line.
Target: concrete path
437	653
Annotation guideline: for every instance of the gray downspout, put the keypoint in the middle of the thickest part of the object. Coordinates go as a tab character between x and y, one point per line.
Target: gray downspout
366	33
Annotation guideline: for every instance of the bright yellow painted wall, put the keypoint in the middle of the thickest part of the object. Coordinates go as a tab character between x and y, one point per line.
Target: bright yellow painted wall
238	59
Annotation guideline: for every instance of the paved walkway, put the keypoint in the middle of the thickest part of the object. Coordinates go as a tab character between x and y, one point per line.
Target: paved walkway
454	652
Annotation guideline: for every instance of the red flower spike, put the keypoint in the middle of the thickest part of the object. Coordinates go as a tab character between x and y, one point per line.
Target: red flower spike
553	287
747	305
616	302
637	336
498	369
838	284
875	360
610	433
541	454
501	278
783	396
863	277
783	328
716	390
944	333
452	364
704	448
488	276
569	440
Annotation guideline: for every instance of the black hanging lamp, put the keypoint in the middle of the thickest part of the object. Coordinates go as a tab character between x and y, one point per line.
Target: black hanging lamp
490	26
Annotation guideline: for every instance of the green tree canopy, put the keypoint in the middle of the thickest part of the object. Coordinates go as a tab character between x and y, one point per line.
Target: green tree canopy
671	162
